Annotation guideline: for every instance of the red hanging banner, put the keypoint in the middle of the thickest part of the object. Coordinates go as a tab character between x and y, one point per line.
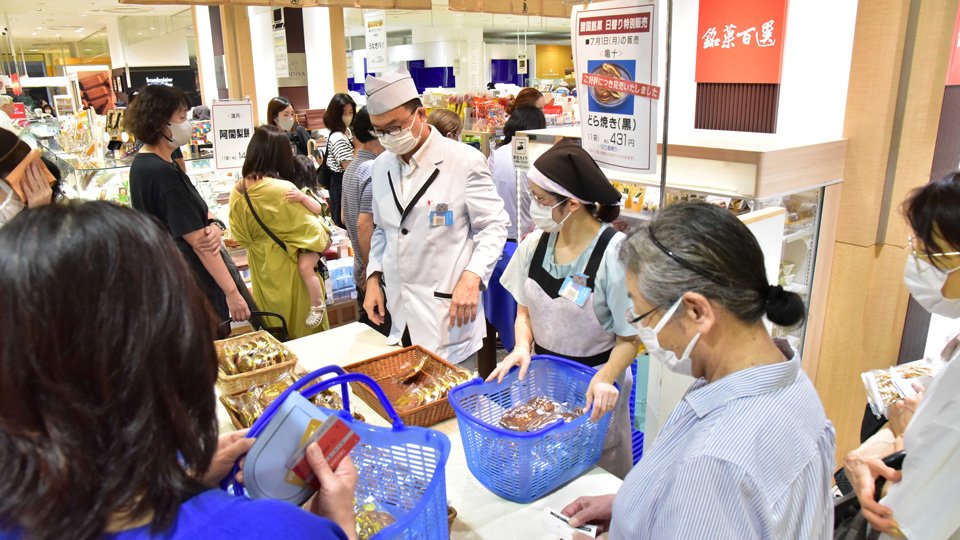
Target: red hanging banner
740	41
953	68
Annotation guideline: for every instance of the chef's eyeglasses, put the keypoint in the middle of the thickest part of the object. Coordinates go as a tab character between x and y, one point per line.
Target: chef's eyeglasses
393	130
912	247
634	319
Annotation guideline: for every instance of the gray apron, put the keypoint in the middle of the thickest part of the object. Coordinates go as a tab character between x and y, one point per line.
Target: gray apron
563	328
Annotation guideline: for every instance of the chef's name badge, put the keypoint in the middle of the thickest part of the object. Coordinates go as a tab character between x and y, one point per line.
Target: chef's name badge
575	289
441	215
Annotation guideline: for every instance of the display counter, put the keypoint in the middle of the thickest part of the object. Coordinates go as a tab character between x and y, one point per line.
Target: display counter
481	514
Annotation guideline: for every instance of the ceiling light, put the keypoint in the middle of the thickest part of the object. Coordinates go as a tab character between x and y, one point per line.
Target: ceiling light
139	33
152	28
33	34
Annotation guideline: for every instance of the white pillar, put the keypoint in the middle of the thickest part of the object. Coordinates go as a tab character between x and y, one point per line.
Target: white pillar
316	36
264	63
208	74
118	54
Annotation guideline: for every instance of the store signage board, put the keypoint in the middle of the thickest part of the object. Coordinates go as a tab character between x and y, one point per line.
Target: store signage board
280	53
953	68
296	71
232	131
615	56
521	64
521	158
373	22
740	41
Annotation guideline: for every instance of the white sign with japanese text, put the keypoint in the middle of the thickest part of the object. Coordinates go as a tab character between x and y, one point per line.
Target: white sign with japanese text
280	53
373	21
615	57
232	130
521	160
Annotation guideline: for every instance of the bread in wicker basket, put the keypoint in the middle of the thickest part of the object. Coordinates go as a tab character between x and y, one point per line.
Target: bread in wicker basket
385	368
233	384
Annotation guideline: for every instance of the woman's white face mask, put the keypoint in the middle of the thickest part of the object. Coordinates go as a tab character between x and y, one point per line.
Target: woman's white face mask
682	365
925	282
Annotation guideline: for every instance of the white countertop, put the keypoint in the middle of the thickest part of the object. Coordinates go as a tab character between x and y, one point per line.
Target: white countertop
481	514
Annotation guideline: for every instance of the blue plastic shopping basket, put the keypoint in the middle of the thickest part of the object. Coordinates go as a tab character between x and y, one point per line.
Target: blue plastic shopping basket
523	467
402	468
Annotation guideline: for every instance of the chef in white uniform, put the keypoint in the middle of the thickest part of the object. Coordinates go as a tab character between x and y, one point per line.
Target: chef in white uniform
571	289
440	227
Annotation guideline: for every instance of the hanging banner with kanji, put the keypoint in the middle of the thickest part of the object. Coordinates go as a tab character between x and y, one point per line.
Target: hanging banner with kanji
615	56
740	41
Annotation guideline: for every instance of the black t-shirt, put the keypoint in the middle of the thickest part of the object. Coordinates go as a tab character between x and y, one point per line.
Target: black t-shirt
162	190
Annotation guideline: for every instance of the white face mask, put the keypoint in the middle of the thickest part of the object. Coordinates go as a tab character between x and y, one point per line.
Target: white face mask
11	205
682	365
926	282
347	119
180	134
403	142
543	217
285	124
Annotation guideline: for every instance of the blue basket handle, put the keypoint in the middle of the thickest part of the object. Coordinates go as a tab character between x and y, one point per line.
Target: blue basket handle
264	419
261	423
361	378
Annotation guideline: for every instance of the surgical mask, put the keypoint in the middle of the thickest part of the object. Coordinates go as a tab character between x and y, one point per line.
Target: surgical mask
926	282
543	217
682	365
402	142
180	134
347	119
11	205
285	124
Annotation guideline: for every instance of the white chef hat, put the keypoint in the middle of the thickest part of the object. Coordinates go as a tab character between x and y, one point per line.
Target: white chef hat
390	91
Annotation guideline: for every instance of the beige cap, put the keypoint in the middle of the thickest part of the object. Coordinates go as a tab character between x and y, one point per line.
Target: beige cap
390	91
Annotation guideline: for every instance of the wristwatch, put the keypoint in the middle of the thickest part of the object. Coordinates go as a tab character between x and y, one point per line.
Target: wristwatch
218	223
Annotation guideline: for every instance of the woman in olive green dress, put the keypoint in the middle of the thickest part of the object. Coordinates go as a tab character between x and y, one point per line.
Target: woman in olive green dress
288	229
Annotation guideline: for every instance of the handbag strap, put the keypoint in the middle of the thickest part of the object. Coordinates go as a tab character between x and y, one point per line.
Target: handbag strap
263	225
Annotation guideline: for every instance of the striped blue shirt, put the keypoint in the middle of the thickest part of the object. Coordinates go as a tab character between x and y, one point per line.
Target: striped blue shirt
748	456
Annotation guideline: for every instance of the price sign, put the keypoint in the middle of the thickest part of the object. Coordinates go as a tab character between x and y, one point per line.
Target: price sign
232	131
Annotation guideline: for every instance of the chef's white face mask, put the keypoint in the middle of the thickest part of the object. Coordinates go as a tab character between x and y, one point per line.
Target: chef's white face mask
682	365
543	217
926	282
403	141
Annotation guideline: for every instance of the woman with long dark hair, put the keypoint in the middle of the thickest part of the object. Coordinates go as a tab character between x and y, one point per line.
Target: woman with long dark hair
107	405
280	113
283	237
338	119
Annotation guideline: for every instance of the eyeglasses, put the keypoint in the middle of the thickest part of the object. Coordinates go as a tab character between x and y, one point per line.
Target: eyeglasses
635	319
912	242
545	201
391	130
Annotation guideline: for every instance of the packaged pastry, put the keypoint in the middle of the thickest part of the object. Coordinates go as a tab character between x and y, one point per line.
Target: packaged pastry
885	386
537	413
250	356
371	518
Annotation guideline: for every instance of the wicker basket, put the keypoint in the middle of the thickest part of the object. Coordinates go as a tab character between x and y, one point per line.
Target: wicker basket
233	384
385	367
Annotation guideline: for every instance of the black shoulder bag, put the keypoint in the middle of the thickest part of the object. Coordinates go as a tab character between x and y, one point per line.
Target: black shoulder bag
263	225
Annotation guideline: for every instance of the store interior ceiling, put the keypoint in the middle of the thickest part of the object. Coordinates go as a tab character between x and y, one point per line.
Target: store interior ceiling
77	28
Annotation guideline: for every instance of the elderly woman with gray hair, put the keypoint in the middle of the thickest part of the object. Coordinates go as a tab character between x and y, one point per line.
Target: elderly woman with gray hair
748	452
